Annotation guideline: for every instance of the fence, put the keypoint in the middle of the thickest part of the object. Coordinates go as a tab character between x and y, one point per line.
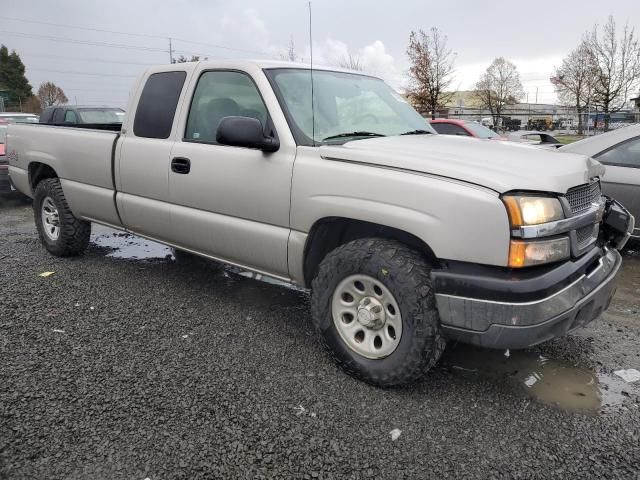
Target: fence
552	118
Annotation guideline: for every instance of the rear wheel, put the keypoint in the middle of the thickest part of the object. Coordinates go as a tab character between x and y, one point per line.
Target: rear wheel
61	233
375	311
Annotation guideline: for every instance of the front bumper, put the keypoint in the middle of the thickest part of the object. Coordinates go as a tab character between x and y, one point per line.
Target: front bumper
505	308
541	306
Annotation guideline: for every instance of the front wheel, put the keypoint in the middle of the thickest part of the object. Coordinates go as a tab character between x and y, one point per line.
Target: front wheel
375	311
61	233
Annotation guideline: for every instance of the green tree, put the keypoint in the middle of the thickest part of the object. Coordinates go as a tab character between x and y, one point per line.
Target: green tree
12	76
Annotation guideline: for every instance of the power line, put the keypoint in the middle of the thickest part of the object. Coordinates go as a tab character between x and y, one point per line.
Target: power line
83	28
213	45
83	59
85	42
82	73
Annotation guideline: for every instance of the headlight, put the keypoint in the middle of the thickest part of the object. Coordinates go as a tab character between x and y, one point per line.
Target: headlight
526	210
537	252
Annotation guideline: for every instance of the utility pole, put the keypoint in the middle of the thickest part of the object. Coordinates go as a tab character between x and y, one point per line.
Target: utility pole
536	95
170	51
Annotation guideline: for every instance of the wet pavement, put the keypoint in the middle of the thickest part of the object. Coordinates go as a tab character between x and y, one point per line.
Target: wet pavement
132	362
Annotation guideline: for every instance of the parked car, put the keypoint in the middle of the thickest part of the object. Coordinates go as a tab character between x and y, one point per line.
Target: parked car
451	126
535	138
5	182
405	237
74	114
12	117
619	150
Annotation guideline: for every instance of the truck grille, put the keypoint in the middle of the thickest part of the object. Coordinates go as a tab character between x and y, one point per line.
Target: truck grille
586	235
580	198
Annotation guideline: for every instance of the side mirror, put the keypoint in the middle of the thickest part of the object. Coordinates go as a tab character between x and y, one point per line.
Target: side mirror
245	132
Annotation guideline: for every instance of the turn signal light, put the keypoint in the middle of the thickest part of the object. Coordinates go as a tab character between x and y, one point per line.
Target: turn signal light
537	252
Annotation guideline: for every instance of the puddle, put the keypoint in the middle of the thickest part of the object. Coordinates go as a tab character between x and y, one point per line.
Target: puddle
238	285
545	380
125	245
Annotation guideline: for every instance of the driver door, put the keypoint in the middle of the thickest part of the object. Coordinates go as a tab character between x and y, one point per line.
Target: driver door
231	203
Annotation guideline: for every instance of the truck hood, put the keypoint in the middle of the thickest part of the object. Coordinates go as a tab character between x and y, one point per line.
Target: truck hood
500	166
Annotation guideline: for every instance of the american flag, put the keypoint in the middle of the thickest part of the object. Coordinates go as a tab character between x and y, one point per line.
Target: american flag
556	80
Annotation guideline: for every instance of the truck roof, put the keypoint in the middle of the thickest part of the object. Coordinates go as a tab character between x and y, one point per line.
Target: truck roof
249	63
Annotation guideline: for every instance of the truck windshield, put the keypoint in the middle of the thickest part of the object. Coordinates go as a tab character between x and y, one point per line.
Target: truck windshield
347	106
101	115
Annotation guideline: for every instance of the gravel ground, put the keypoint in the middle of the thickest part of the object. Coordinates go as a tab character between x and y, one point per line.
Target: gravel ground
152	368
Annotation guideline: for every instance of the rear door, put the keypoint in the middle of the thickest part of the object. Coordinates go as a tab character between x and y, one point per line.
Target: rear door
232	203
142	170
622	178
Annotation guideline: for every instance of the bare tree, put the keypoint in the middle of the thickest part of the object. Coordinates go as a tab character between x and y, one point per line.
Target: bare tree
499	86
617	61
290	54
431	71
50	94
574	80
183	59
350	61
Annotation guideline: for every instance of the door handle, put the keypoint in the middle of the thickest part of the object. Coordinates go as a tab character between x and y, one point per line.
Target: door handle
181	165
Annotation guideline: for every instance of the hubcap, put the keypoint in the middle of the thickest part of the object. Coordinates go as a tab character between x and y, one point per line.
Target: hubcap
50	219
367	316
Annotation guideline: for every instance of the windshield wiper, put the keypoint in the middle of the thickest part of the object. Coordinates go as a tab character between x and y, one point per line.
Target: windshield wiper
416	132
354	134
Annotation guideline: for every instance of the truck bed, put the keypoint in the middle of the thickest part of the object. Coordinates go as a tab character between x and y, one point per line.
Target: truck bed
112	127
85	155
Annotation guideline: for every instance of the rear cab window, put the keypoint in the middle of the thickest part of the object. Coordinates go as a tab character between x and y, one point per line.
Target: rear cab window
157	105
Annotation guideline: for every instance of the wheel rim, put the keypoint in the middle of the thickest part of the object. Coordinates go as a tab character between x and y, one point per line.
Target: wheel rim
50	219
367	316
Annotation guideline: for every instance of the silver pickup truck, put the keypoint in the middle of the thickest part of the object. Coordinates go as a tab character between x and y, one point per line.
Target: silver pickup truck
405	237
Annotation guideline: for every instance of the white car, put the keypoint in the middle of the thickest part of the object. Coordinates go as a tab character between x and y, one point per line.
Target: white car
619	150
535	138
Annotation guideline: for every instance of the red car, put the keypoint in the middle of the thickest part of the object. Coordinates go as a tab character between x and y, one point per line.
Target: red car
450	126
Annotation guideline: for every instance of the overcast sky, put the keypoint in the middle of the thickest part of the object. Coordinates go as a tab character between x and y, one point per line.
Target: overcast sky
534	35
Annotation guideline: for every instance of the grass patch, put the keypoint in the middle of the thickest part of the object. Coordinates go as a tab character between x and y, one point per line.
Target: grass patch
566	139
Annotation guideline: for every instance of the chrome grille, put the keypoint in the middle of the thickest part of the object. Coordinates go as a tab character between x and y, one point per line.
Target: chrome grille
586	235
580	198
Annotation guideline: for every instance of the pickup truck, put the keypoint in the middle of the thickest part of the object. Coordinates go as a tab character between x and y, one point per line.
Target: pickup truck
329	180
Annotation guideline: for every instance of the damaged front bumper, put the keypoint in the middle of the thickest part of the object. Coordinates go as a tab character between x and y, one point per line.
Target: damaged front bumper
501	308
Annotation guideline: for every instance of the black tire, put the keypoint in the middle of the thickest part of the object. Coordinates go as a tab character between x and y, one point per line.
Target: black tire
74	234
406	274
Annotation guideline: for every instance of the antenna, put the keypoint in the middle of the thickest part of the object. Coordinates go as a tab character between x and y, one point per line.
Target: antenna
313	114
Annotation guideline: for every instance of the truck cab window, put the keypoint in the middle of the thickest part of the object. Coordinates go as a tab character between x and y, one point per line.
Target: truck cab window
222	94
58	115
157	105
70	117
